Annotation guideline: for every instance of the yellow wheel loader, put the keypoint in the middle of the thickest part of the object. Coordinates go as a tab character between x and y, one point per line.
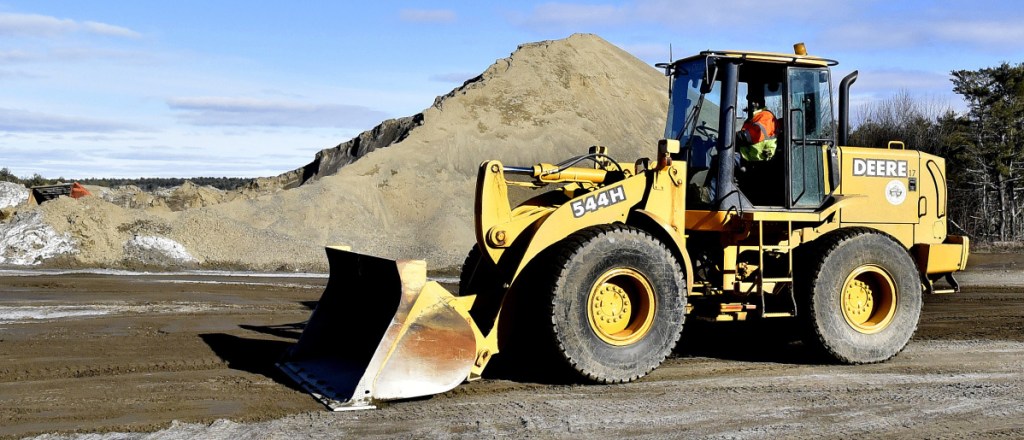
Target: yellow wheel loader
596	275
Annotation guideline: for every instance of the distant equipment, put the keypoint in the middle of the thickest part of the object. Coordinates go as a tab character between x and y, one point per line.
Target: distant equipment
44	193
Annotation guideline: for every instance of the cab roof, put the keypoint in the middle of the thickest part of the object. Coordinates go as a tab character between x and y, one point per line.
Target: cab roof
770	57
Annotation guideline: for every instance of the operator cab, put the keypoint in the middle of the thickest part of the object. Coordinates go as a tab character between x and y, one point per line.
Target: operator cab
710	98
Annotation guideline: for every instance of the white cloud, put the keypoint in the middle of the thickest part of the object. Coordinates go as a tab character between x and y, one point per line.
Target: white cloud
869	34
427	15
675	13
12	56
224	111
892	79
78	53
36	25
887	34
109	30
983	32
34	122
197	151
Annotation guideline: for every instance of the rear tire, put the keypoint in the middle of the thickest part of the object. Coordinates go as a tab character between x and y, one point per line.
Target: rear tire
617	302
861	297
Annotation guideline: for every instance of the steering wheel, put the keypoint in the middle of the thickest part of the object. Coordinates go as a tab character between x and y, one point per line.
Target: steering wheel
706	131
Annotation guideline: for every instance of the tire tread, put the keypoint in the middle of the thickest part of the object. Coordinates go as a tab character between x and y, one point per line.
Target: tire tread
814	257
566	252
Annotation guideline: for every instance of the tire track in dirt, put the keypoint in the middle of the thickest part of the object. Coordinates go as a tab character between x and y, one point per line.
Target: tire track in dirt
90	370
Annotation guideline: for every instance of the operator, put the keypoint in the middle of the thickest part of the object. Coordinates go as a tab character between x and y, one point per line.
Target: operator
756	140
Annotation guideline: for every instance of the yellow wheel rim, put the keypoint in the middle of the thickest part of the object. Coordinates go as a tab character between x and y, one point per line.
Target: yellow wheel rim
620	307
868	299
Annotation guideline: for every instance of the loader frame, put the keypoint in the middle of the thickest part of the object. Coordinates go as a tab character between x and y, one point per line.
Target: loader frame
605	264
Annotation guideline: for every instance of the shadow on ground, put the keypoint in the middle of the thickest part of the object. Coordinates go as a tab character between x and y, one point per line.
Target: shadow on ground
287	331
255	355
770	341
775	341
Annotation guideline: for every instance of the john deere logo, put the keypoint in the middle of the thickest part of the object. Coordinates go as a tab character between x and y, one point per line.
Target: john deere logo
895	192
879	168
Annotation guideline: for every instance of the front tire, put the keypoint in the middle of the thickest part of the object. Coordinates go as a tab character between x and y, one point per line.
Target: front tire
617	302
861	300
475	269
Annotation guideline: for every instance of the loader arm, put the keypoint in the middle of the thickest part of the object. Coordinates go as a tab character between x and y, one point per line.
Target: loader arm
653	198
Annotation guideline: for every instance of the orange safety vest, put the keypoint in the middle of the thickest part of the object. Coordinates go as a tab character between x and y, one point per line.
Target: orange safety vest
760	133
761	126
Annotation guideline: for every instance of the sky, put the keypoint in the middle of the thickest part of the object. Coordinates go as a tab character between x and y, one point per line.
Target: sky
255	88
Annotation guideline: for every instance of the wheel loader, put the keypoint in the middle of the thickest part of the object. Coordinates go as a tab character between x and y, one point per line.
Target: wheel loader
596	275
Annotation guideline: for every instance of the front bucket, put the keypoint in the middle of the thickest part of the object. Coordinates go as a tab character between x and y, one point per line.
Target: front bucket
381	332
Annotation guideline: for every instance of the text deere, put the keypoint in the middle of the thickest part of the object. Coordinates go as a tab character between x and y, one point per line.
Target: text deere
879	168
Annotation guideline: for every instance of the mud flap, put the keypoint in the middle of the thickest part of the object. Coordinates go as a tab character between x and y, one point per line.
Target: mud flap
381	331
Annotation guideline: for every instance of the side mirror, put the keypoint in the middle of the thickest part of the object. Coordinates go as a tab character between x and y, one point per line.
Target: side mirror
666	66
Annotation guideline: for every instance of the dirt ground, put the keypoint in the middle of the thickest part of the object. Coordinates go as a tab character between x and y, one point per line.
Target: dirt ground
192	355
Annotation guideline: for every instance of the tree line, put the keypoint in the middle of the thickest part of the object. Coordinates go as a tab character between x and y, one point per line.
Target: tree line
983	147
144	183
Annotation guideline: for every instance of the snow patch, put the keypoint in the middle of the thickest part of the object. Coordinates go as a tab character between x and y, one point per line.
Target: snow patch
134	273
10	315
28	241
157	250
16	314
242	283
12	194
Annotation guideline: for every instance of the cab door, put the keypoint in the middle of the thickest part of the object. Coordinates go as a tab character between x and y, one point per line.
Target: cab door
809	129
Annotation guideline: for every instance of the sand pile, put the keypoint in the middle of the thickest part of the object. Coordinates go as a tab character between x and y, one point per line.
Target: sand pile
97	233
105	235
131	197
185	196
412	198
189	195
